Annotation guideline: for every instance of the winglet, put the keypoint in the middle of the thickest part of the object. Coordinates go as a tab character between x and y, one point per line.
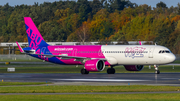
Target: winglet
140	43
20	48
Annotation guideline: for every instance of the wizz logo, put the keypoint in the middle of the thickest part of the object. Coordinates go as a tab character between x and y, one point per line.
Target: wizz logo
134	52
33	38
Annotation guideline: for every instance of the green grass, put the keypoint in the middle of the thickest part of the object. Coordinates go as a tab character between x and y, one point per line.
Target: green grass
93	97
21	60
177	61
88	97
82	89
21	83
55	68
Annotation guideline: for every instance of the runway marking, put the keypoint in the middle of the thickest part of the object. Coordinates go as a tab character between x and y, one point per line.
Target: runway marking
116	80
170	78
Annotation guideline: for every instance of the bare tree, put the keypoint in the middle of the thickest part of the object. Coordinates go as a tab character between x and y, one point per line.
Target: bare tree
83	32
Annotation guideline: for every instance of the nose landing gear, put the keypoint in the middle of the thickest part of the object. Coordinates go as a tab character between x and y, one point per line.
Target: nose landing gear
156	69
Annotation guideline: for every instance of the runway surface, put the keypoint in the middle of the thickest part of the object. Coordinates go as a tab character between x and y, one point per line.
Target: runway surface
89	93
172	79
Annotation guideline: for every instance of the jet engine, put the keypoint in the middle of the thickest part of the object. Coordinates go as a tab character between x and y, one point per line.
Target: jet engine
95	65
134	67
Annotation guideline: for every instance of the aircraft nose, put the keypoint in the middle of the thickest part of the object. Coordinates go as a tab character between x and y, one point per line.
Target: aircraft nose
172	58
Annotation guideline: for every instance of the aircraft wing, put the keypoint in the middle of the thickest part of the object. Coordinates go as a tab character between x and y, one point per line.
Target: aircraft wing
65	56
62	56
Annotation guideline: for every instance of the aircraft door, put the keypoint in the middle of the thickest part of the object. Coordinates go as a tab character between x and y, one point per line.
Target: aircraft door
100	52
74	52
151	52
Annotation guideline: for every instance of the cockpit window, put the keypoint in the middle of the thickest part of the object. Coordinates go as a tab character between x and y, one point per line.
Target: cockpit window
164	51
167	51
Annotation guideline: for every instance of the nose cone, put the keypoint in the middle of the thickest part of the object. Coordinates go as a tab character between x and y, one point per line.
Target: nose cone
172	58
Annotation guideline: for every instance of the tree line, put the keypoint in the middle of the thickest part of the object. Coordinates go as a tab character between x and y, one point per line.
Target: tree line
97	20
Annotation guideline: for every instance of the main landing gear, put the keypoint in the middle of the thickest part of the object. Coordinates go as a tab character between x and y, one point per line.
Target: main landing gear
84	71
111	70
156	69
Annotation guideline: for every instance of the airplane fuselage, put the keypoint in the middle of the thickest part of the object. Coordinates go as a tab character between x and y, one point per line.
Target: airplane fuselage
114	54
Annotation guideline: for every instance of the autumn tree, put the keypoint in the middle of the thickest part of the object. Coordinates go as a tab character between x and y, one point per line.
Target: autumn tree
83	32
51	31
100	20
164	31
101	26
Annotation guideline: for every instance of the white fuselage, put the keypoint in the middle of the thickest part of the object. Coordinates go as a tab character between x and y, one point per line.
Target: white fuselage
137	54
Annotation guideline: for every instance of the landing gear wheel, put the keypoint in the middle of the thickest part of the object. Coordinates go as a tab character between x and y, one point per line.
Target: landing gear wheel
84	71
111	71
156	69
157	72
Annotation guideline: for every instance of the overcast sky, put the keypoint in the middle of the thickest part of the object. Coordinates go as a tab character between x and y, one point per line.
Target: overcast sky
153	3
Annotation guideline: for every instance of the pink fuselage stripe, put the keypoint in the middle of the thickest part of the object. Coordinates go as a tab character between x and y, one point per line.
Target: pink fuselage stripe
78	51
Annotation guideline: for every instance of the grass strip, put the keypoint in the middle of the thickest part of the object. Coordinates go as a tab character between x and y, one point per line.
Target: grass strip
81	89
21	83
93	97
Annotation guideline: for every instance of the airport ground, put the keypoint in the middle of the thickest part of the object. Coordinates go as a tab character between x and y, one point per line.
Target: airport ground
62	82
46	67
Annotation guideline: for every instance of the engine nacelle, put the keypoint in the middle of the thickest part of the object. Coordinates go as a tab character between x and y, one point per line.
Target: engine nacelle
95	65
134	67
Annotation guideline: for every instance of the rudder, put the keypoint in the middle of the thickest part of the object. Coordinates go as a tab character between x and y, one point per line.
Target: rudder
33	34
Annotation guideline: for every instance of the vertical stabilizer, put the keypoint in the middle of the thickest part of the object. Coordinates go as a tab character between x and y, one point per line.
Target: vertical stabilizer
33	35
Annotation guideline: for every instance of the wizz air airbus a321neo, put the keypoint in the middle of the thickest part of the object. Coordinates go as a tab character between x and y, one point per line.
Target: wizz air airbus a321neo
96	57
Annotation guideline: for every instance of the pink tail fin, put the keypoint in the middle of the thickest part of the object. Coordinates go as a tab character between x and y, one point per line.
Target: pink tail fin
34	36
